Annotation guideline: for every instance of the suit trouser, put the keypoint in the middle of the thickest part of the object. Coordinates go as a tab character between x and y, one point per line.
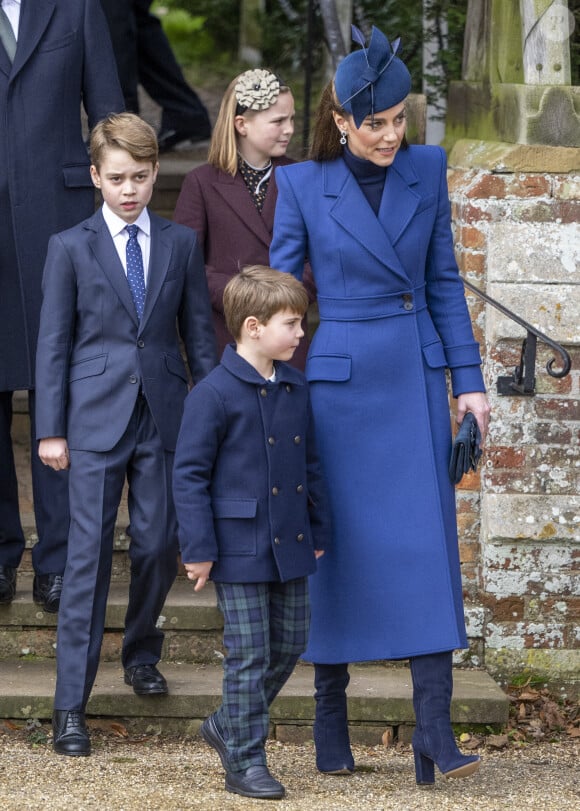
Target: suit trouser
96	484
50	494
144	54
265	631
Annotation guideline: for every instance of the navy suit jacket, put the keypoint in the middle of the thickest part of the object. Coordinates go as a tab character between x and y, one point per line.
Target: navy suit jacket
63	59
247	484
94	356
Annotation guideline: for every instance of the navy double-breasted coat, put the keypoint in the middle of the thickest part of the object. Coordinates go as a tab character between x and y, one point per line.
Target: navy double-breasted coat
393	317
247	484
64	57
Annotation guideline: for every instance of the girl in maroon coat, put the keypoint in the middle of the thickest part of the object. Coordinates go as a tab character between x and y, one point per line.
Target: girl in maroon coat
230	201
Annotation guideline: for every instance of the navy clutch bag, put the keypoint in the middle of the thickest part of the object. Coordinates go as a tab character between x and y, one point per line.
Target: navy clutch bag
466	450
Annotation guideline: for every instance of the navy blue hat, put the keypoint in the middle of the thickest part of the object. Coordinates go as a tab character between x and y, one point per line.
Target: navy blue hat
372	79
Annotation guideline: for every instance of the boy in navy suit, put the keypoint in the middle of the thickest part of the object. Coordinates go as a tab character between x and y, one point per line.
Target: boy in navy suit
111	384
251	509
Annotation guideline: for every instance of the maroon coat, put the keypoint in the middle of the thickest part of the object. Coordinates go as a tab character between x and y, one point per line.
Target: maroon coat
232	233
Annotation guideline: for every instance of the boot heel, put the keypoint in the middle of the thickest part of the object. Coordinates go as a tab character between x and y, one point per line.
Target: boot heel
424	769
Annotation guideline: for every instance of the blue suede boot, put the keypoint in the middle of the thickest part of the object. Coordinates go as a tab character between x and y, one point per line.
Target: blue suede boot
433	739
333	754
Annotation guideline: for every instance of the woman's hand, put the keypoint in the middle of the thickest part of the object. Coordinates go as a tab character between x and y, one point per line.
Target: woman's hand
478	404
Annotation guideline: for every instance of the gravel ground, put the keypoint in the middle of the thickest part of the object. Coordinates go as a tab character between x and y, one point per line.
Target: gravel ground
161	774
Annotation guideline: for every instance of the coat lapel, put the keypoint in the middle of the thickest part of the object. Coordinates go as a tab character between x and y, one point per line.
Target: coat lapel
105	253
399	201
159	258
352	212
234	192
34	18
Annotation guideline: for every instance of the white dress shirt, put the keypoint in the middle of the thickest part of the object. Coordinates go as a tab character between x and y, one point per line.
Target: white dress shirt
12	9
118	230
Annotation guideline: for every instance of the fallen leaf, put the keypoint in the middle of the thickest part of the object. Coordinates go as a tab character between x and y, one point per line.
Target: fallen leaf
119	730
387	737
497	741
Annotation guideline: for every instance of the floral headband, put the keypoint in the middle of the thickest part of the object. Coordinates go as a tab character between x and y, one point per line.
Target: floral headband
256	89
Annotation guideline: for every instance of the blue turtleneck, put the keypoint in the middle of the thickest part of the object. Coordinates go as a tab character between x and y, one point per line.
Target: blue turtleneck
370	177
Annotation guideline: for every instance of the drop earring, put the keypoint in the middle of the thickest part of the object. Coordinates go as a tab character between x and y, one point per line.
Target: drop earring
343	137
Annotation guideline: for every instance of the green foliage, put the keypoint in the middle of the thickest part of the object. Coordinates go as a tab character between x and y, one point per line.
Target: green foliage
201	30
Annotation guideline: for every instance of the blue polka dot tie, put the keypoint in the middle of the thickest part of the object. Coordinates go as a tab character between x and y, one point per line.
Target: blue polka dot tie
135	272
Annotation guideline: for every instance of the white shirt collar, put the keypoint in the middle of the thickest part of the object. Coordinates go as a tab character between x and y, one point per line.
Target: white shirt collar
117	225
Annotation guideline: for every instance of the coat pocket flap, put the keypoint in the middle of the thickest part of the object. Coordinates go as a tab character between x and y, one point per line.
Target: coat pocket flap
434	355
328	367
234	507
87	368
77	175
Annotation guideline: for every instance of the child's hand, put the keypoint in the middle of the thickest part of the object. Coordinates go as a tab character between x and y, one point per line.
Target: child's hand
199	572
318	553
53	452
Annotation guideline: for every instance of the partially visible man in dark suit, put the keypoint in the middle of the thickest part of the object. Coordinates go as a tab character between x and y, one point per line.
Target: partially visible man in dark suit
54	54
144	56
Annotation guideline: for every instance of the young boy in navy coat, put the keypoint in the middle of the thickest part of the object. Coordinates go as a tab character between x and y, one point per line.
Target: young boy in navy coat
111	384
252	514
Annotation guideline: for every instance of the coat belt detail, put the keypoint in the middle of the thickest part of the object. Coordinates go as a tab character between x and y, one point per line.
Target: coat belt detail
367	308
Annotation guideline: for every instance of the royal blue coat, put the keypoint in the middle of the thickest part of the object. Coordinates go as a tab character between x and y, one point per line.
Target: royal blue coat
247	484
393	318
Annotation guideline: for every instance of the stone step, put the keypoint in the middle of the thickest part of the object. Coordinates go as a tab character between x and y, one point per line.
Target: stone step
191	622
379	698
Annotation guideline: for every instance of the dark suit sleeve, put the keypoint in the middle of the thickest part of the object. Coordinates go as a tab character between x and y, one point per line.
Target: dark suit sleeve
195	321
57	323
202	430
101	89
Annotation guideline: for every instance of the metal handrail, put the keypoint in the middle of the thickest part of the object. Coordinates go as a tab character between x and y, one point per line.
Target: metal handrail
523	381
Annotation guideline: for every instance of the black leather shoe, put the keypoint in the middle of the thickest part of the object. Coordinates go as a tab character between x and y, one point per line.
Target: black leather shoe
7	584
255	782
169	139
211	732
146	680
70	736
46	591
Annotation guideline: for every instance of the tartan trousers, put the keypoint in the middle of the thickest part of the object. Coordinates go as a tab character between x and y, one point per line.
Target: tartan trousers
265	631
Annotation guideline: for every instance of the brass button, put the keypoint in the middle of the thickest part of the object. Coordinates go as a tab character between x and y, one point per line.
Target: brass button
271	440
263	392
407	301
275	491
300	537
297	440
300	488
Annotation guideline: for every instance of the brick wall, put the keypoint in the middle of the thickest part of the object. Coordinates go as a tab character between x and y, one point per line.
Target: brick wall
516	218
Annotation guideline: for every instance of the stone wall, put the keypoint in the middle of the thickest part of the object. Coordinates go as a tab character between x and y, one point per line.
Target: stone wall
516	215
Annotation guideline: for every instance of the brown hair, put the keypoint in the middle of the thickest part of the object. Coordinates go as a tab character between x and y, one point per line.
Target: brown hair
325	142
223	147
124	131
261	291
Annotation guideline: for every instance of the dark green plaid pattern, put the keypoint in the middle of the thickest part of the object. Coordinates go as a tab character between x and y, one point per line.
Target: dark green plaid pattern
265	631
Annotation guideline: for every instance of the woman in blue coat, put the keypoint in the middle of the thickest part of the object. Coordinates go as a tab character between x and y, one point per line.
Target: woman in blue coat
372	215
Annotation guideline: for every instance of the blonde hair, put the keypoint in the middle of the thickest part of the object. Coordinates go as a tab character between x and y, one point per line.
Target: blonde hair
223	147
261	291
124	131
